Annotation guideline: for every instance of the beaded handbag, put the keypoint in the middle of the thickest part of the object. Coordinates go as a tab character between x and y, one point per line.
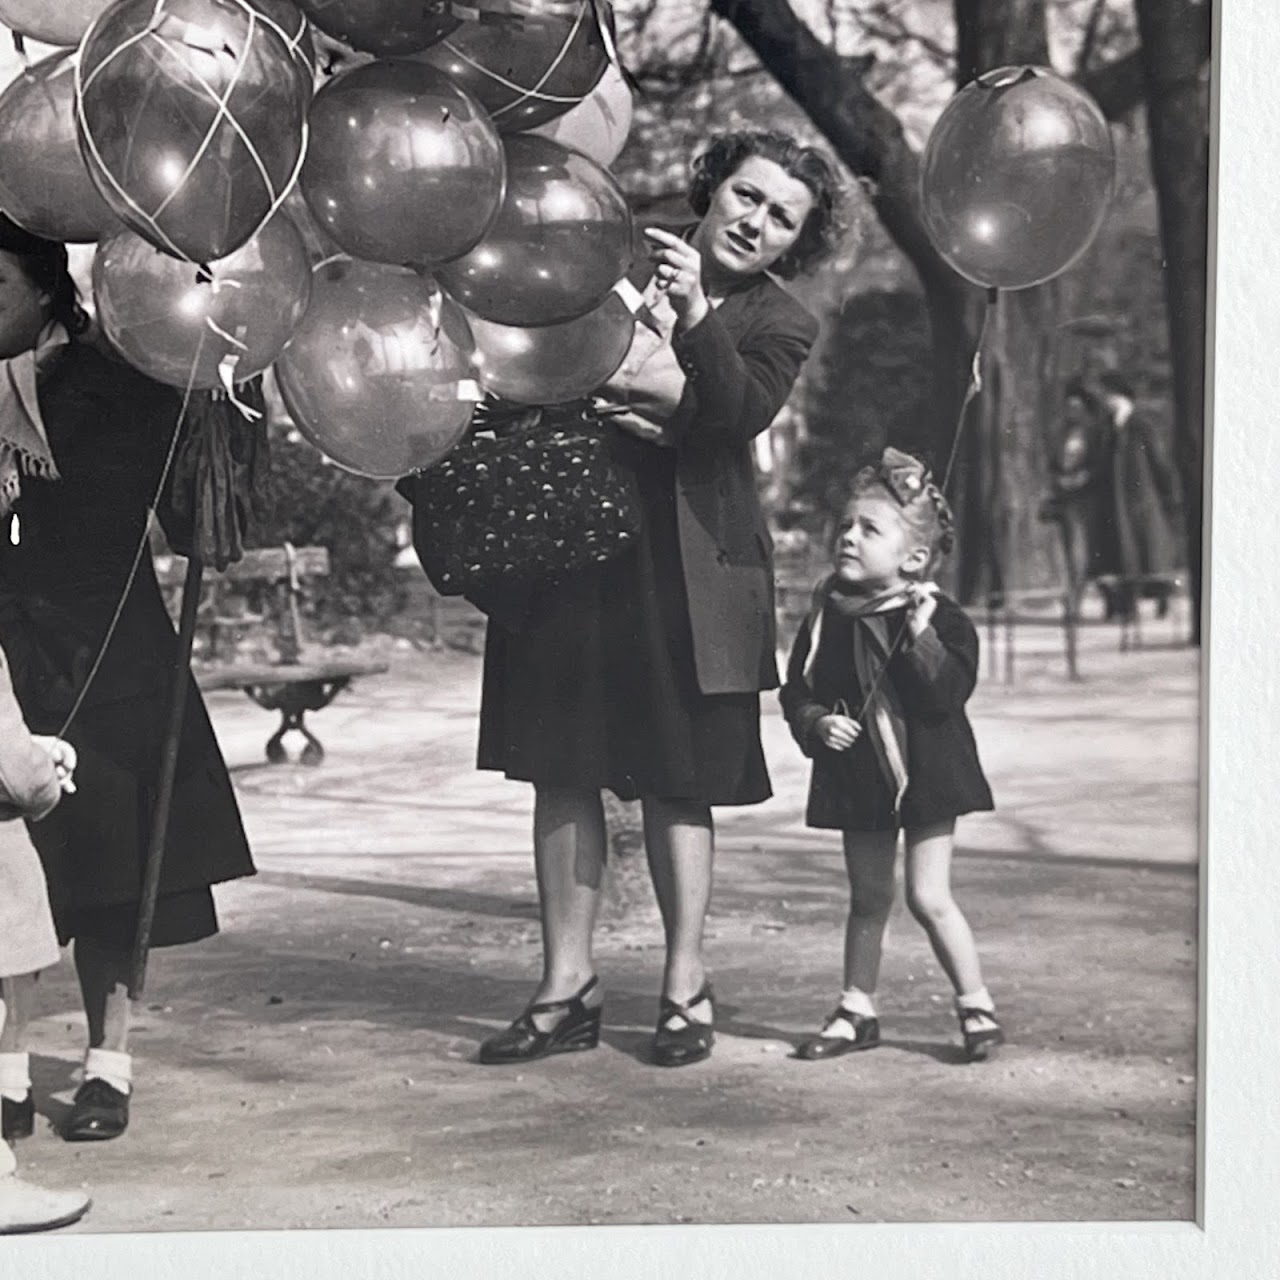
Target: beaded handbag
528	498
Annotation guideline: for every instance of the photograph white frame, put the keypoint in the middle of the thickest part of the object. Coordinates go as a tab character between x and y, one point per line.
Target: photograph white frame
1238	1230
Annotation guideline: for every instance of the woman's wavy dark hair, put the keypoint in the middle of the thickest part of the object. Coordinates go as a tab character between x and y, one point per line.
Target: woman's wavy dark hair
44	262
823	227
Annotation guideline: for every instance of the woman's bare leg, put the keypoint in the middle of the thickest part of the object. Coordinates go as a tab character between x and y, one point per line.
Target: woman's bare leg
679	842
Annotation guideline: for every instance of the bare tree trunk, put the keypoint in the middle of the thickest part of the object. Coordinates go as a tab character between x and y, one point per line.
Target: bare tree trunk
1177	116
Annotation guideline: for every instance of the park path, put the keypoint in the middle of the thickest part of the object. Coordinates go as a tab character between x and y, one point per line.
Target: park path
310	1066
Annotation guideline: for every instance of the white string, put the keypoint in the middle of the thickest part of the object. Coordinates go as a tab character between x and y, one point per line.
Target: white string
144	543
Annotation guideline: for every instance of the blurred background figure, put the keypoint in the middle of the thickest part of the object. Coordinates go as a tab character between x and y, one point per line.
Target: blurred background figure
1138	505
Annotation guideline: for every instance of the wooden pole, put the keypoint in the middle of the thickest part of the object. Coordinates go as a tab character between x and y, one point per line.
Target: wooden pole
168	774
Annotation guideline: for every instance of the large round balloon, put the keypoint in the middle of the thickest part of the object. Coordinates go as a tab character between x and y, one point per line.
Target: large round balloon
404	166
44	185
385	27
61	22
1017	177
525	70
379	375
561	241
166	316
191	120
598	126
556	362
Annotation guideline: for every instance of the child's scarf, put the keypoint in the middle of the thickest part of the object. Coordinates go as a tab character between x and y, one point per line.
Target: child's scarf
24	441
874	643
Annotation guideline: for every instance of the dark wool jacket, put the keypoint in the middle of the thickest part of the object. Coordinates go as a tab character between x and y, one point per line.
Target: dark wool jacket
933	677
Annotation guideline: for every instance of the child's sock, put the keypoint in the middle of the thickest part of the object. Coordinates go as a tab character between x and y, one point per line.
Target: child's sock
109	1065
854	1001
15	1076
980	1000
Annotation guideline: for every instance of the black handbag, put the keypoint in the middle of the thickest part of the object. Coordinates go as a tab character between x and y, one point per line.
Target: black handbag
528	498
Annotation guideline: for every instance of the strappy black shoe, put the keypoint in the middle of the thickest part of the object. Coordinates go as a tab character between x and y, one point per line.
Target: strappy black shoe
681	1046
17	1119
866	1035
980	1041
98	1112
523	1041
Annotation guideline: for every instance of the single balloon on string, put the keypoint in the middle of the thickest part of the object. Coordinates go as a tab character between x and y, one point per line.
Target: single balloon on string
61	22
598	126
525	70
556	362
561	241
387	28
1017	177
380	373
191	119
44	185
184	324
404	166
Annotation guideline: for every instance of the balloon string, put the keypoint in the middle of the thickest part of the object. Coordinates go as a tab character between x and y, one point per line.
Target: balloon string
144	543
972	391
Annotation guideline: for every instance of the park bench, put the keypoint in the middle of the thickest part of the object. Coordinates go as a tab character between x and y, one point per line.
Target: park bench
291	685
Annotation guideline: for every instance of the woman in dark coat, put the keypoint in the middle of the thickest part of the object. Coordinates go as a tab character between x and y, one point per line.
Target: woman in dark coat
83	442
643	676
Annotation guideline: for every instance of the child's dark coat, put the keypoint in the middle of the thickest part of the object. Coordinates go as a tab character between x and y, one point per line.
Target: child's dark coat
933	677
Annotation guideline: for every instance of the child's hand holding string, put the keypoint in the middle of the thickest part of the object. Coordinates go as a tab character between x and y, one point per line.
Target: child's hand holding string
838	732
63	755
922	604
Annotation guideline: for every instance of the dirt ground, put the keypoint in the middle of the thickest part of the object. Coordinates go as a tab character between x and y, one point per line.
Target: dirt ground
312	1066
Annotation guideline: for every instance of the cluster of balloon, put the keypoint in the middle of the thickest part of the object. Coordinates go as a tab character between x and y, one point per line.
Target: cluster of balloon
555	362
387	28
404	165
525	67
60	22
44	185
1017	177
192	119
561	242
202	326
379	375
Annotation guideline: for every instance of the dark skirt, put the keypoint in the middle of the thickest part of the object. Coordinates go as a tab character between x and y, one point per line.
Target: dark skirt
599	689
93	846
186	916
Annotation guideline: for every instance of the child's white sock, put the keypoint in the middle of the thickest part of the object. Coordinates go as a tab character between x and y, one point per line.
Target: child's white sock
110	1065
855	1001
980	999
15	1076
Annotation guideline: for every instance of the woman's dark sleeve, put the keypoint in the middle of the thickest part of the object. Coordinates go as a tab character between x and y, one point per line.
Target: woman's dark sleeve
1158	465
801	709
936	672
733	391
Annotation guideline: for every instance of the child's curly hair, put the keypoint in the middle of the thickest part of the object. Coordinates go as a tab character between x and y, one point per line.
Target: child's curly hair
925	511
825	225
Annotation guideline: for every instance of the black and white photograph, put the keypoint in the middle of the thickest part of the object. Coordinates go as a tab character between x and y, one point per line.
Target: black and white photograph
602	613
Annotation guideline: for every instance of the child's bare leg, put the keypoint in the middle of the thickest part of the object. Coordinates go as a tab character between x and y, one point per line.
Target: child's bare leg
869	859
928	883
19	999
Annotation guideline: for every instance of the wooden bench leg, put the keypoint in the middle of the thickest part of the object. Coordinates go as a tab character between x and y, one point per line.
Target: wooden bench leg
294	722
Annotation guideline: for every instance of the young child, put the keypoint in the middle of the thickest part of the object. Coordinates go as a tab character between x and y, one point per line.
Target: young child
34	772
875	694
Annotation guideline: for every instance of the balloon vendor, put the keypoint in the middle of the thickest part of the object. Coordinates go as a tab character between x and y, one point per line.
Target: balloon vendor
83	442
875	696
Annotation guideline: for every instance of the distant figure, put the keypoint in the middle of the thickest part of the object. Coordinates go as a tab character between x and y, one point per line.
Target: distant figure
1138	502
1075	484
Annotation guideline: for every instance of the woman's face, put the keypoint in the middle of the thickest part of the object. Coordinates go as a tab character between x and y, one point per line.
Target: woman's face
756	214
24	309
